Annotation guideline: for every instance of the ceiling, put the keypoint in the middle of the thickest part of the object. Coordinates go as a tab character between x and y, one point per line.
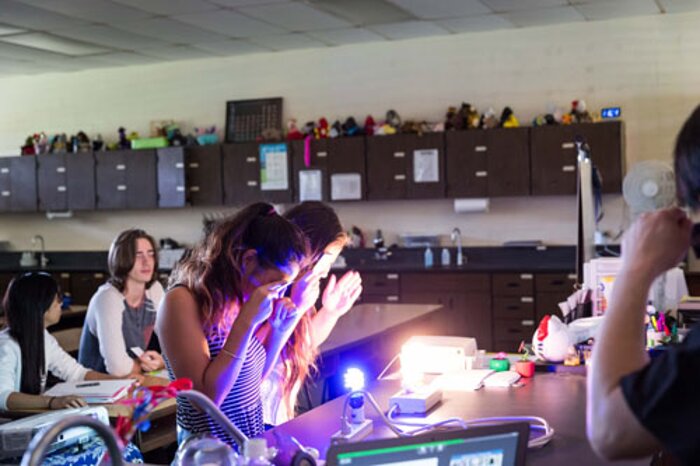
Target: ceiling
39	36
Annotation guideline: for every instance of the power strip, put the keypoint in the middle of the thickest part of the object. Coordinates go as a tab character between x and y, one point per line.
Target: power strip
357	432
415	401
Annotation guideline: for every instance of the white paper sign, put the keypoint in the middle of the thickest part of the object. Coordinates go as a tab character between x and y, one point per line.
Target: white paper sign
426	167
310	185
346	187
273	167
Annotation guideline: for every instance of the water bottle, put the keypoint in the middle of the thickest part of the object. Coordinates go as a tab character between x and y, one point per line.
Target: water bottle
445	257
255	453
428	257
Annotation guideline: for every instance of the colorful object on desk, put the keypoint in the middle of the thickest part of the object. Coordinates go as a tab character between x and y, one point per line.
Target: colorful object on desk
500	363
551	340
144	400
525	367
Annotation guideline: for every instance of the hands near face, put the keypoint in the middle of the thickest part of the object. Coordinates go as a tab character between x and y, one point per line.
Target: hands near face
340	295
285	316
306	290
258	308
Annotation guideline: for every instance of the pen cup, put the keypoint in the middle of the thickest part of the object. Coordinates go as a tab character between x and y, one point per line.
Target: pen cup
655	338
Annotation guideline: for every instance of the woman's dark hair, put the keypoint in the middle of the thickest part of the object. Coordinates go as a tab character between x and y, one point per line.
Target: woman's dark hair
687	161
320	224
122	257
27	299
213	271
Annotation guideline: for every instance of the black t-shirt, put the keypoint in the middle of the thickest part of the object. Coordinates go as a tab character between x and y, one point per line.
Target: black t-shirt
665	398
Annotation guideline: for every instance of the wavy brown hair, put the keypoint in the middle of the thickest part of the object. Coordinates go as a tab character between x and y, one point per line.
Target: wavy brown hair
321	225
122	257
213	273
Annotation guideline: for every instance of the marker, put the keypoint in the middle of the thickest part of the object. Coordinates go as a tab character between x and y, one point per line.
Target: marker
89	384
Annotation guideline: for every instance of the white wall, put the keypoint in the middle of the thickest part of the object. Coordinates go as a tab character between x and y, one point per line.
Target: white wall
649	66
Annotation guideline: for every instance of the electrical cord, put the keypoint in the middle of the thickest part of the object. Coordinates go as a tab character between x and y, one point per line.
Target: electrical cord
388	366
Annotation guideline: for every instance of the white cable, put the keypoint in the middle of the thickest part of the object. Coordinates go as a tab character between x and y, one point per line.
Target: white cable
388	366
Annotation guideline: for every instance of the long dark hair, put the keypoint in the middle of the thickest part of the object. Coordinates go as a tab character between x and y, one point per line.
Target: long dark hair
687	161
27	299
320	224
122	257
213	272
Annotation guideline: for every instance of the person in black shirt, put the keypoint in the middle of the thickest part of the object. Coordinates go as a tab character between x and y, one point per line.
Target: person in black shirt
637	407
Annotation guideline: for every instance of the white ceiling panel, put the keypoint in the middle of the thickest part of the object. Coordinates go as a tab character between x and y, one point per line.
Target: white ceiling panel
409	30
347	36
544	16
237	3
617	9
680	6
170	7
20	14
31	54
231	24
5	30
288	42
500	6
169	30
295	17
101	11
431	9
176	52
114	38
232	47
475	23
364	12
43	41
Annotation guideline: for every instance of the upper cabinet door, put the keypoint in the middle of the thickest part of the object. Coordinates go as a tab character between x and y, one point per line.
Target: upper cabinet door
203	174
80	177
171	177
607	152
126	179
110	177
426	165
18	188
66	181
387	167
508	158
310	177
143	180
347	179
241	173
467	166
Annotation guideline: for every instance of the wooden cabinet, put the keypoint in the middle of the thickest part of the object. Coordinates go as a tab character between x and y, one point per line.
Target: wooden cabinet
552	288
189	176
66	181
317	164
513	309
126	179
242	176
381	288
488	163
553	155
406	166
84	284
18	190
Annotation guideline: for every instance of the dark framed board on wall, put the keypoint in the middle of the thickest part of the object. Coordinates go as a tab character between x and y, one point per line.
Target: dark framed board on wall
247	119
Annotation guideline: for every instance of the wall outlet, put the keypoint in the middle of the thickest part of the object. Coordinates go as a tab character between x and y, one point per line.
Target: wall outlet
416	401
357	432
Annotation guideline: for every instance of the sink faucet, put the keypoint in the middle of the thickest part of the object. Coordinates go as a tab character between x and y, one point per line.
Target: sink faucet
456	237
43	260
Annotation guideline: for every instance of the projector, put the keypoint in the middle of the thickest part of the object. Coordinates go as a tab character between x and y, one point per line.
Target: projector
436	354
16	435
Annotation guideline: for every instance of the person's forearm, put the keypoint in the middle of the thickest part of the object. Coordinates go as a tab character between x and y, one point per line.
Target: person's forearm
322	324
92	375
223	371
273	346
18	401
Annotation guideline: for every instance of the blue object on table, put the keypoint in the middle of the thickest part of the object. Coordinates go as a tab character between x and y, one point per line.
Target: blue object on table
87	454
611	112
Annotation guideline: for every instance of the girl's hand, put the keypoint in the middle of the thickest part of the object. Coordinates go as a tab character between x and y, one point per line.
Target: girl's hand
305	291
151	361
258	308
339	296
285	316
63	402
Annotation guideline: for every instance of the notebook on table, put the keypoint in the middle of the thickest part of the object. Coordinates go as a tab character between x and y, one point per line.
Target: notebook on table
500	445
93	391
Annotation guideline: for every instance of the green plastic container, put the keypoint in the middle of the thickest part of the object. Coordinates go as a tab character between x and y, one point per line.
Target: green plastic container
149	143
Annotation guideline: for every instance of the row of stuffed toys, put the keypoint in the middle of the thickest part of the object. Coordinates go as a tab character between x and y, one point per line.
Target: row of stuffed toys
40	143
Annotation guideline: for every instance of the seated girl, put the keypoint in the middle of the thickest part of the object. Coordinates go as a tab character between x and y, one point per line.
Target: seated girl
28	352
230	285
122	313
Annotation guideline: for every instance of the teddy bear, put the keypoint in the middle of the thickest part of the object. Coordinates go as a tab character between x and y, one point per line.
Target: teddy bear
293	132
450	118
488	119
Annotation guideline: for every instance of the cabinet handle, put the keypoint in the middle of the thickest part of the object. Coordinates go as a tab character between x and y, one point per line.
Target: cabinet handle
481	174
60	169
526	276
568	145
568	168
252	183
180	189
4	170
194	189
399	155
194	165
557	282
121	187
98	275
5	194
528	323
321	154
179	165
399	177
392	276
251	159
392	298
121	167
65	275
526	299
572	276
61	189
480	149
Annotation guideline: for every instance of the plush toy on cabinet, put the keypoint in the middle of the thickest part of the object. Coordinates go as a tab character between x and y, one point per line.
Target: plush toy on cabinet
321	130
393	119
293	133
350	127
336	129
450	118
488	119
369	125
508	119
579	113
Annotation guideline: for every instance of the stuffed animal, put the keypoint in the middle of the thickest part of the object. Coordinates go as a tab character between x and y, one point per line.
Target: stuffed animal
385	129
409	127
336	129
309	128
270	134
97	143
293	132
551	340
350	127
321	130
438	127
124	142
60	143
82	143
450	118
41	143
488	119
28	147
393	119
508	119
369	125
579	113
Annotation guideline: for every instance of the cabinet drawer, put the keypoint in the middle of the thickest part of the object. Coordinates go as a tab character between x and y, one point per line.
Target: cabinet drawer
379	298
513	329
555	283
444	282
513	284
514	308
380	283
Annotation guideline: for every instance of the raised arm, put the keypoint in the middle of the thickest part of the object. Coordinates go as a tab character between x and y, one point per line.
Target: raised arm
338	297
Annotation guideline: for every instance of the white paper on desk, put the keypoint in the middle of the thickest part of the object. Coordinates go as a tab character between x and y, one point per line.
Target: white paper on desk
102	391
310	185
346	187
462	381
426	166
273	167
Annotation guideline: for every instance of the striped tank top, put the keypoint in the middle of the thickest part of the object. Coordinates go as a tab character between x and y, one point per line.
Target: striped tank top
242	405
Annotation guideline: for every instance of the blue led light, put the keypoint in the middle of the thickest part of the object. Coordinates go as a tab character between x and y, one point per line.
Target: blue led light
611	112
354	379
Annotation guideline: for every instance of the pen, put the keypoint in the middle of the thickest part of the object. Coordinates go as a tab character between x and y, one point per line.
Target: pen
89	384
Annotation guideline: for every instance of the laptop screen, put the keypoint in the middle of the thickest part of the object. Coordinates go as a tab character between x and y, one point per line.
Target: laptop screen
499	449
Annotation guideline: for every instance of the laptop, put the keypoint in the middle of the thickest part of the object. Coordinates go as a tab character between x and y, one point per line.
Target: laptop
498	445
